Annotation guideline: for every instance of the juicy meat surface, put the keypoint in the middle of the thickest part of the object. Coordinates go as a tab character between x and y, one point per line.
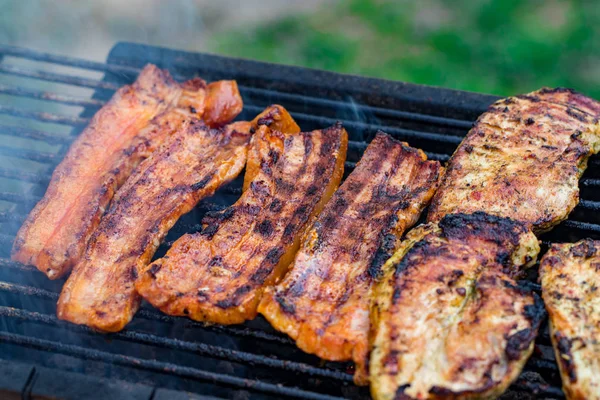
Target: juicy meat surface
448	320
190	166
219	274
125	131
323	301
570	276
523	159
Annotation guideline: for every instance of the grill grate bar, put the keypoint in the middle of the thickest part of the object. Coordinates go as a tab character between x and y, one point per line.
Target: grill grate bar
405	133
23	176
43	116
28	154
33	134
430	119
148	314
11	217
176	344
589	205
133	71
587	226
19	197
54	97
65	60
58	78
158	366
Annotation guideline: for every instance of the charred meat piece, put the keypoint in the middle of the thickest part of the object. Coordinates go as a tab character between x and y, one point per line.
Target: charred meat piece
448	319
277	119
523	159
570	275
323	301
191	165
219	275
125	131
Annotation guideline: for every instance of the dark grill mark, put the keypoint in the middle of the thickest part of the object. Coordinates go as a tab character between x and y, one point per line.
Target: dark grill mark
518	342
564	348
201	184
276	205
265	228
274	255
154	268
287	308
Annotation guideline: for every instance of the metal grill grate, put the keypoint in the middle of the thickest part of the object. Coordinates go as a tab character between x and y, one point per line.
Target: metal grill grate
41	101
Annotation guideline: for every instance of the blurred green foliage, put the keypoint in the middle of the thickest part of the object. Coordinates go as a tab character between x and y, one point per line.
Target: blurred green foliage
496	46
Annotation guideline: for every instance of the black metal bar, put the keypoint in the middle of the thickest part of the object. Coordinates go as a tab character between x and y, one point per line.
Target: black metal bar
27	290
405	133
160	367
176	344
59	78
54	97
232	330
34	134
18	197
11	217
28	154
7	263
23	176
43	116
65	60
316	102
586	226
590	182
589	205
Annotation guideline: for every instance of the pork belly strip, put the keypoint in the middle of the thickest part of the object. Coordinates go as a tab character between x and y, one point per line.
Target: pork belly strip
219	275
124	132
448	319
323	301
570	276
192	165
523	159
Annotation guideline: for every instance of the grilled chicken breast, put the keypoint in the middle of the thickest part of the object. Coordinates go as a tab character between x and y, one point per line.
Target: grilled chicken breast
125	131
523	159
219	275
570	275
193	163
323	301
448	320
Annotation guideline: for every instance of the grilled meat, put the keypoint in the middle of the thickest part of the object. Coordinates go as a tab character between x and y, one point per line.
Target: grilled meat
193	163
125	131
323	302
570	275
219	275
447	319
523	159
278	119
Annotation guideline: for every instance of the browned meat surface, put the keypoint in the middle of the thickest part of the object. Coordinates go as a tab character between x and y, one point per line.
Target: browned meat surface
219	275
323	301
448	319
194	163
125	131
570	275
523	159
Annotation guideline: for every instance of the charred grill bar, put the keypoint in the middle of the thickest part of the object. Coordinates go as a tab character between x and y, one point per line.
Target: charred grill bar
41	96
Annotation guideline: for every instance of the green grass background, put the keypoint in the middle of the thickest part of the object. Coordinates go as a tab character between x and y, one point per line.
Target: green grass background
501	47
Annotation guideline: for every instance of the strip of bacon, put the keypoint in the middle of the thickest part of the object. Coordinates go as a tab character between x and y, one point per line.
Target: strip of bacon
193	163
323	302
125	131
219	275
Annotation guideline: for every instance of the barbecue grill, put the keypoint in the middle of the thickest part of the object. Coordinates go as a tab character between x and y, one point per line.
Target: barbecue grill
163	357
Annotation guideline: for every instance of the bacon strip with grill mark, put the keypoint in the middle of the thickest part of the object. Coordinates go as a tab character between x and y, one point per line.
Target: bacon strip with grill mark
323	302
219	275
